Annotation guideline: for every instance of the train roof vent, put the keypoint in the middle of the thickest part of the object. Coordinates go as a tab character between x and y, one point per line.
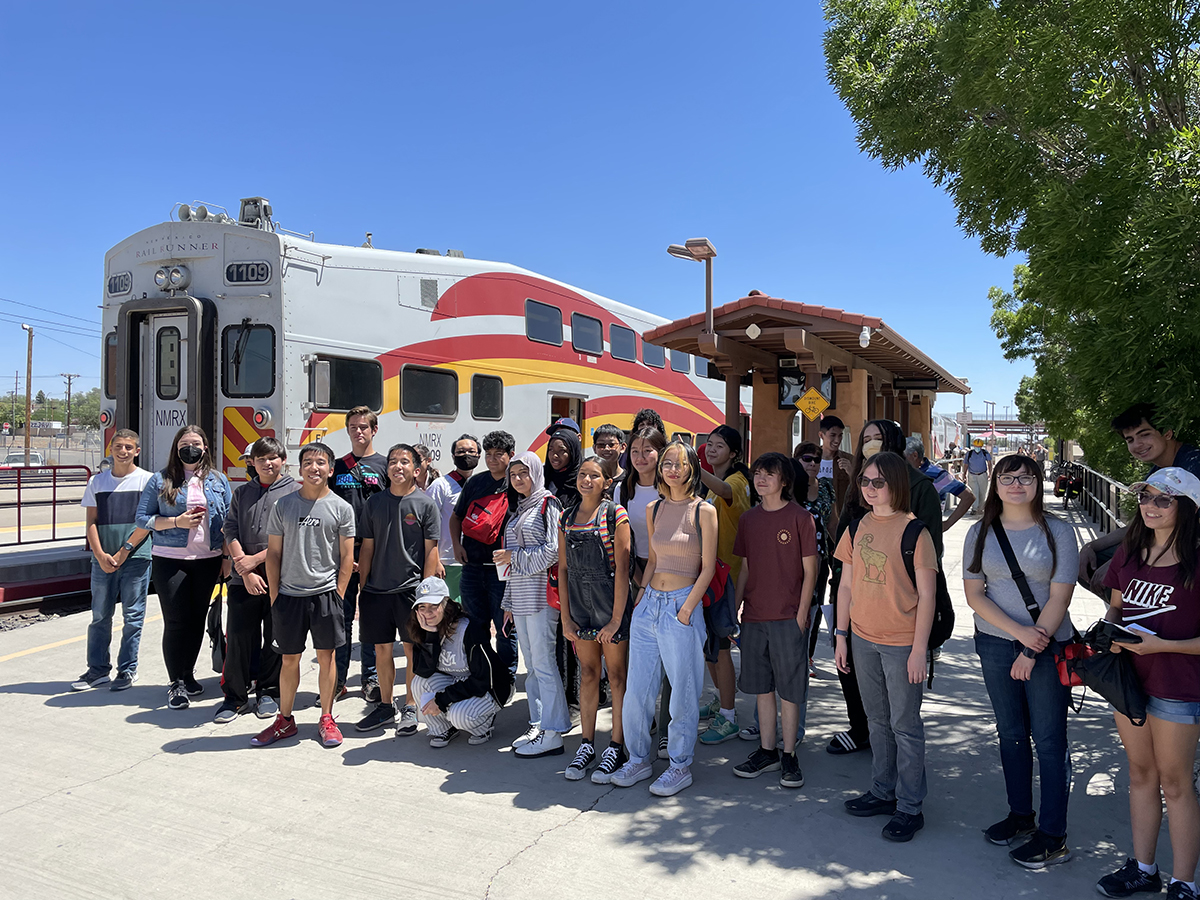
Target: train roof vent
457	254
255	213
428	252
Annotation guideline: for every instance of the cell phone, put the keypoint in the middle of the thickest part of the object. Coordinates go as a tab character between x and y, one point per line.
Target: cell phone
1122	634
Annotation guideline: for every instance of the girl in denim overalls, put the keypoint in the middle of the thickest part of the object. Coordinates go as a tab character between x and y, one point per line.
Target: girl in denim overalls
593	583
667	631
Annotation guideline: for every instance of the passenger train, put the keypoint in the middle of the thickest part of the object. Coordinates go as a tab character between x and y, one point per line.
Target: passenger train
250	330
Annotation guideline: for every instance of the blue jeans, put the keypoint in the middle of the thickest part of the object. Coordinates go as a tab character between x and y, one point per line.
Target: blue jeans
543	687
366	652
658	642
1035	709
127	586
893	708
482	593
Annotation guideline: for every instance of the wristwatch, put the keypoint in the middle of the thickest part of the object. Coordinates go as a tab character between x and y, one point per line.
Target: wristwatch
127	547
1026	651
841	632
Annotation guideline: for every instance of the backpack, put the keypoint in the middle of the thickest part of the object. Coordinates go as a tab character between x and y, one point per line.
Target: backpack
943	609
608	537
485	517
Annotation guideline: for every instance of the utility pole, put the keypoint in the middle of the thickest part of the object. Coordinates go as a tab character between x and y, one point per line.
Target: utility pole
28	389
69	378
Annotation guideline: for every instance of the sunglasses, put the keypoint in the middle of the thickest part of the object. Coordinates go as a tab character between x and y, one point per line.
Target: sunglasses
877	483
1025	480
1162	501
809	459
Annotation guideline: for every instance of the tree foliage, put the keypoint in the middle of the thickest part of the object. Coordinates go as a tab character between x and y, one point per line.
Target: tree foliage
1069	132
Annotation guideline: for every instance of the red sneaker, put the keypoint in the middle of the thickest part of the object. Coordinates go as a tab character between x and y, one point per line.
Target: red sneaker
331	736
282	727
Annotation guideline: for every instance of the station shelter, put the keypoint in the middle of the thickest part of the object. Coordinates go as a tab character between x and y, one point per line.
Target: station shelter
863	368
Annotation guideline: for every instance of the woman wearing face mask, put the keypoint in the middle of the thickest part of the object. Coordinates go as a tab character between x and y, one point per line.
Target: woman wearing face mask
184	506
877	435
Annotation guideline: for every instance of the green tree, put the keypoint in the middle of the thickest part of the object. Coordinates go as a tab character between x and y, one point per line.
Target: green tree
1067	132
39	398
85	409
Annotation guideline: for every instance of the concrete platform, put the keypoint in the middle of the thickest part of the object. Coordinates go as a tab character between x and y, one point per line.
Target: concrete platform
113	795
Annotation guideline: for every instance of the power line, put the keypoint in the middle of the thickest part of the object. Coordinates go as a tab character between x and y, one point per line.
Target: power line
41	333
64	327
31	306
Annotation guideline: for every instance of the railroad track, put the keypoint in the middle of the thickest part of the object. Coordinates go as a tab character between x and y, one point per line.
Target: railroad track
19	613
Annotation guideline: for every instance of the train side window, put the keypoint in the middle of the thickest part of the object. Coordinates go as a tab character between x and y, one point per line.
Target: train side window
622	343
487	397
166	366
354	382
587	335
428	393
248	360
543	323
653	355
680	362
110	366
684	436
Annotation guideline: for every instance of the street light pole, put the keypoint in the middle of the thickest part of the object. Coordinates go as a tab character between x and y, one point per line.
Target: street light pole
700	250
28	389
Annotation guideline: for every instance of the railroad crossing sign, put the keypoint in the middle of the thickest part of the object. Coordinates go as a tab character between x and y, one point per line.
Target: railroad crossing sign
812	403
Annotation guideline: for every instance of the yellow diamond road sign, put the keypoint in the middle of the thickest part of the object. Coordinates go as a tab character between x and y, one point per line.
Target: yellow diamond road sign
812	403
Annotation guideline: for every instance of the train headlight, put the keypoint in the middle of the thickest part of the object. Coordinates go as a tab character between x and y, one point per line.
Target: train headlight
262	418
179	277
162	279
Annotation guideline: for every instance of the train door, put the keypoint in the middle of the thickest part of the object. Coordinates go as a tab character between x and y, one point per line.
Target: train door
165	393
571	406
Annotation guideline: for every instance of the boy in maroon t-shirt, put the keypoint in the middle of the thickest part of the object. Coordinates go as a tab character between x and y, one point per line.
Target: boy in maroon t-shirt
777	541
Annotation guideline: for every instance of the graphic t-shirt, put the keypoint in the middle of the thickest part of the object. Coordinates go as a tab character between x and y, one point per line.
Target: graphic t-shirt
311	531
728	516
477	486
1155	598
399	527
357	483
774	545
826	470
883	599
444	493
116	502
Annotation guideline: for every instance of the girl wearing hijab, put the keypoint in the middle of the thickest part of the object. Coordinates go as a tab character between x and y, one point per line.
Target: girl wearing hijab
530	550
564	454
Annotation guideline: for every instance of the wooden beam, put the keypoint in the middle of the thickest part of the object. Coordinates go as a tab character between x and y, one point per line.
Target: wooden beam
715	346
801	339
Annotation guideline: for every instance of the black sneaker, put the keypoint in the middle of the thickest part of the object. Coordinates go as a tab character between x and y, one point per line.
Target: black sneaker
228	712
1129	880
842	743
1010	828
903	826
438	741
1178	890
382	716
760	761
870	805
1040	851
791	776
371	690
192	686
610	760
584	757
177	697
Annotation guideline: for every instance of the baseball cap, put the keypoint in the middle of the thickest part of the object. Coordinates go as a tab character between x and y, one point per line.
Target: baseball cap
565	422
1173	481
432	590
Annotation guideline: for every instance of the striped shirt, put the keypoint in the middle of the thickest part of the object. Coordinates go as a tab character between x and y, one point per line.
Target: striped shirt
532	536
598	522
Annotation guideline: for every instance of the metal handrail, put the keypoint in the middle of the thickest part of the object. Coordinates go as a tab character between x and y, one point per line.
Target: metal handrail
1102	499
36	473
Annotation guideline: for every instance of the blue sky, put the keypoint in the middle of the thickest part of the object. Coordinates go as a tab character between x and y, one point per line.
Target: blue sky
573	140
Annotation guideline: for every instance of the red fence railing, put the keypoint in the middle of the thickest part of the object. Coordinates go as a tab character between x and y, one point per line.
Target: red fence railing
40	487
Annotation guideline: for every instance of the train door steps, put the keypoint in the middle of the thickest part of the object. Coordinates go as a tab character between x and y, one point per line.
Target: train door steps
44	572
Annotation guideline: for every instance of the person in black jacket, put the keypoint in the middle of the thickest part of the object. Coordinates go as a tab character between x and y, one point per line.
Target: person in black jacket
458	683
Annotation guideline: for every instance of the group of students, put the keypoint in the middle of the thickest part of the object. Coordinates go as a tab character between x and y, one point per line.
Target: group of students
597	569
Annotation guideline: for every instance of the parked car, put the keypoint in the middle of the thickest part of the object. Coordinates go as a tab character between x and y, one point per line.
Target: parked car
18	459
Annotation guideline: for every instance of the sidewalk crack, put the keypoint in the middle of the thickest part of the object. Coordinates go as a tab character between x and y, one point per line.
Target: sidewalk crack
537	840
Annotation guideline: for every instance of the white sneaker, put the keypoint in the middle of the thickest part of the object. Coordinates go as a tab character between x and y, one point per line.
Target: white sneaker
672	781
631	773
547	743
528	736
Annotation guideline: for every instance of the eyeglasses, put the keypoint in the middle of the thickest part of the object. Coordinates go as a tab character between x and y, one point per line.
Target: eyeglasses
877	483
1162	501
1025	480
673	464
809	459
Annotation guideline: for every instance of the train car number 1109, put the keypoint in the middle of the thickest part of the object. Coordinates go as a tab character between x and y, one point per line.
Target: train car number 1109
248	273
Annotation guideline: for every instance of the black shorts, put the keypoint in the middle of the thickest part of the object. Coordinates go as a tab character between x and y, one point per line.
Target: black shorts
774	658
382	616
292	618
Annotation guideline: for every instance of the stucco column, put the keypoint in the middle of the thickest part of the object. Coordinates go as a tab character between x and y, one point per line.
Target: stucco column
772	426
